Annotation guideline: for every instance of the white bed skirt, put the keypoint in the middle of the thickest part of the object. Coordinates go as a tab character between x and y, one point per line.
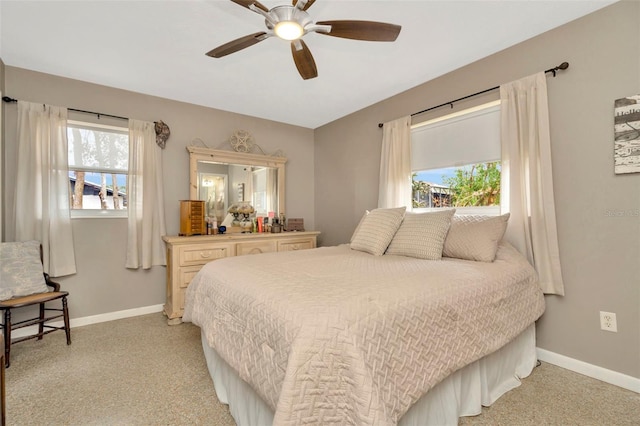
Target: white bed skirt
463	393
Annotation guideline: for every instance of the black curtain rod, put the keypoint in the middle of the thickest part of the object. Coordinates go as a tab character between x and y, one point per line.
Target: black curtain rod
562	66
11	100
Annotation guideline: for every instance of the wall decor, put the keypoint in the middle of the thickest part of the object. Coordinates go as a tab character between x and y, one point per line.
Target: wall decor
626	158
242	141
241	192
162	133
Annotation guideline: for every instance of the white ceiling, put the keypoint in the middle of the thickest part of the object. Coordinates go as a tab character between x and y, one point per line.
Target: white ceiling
158	48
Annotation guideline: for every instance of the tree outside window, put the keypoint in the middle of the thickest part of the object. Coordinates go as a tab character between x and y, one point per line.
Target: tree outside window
98	166
474	185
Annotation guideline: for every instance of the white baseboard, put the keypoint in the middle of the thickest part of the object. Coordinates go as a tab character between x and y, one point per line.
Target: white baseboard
93	319
590	370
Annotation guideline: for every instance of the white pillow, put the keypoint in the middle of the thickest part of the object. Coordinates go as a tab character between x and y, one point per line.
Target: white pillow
366	212
376	230
474	237
21	270
421	235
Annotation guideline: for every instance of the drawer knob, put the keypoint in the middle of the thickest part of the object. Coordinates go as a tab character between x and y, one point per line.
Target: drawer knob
295	247
205	254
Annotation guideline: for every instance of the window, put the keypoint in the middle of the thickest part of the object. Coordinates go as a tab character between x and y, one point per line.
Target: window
259	197
456	161
98	167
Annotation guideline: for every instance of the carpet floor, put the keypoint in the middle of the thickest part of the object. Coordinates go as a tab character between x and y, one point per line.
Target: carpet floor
139	371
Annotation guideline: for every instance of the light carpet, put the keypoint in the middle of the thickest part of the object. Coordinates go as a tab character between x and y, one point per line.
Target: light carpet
140	371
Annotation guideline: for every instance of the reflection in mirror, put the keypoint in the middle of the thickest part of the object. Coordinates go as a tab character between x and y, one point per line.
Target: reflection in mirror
213	193
222	178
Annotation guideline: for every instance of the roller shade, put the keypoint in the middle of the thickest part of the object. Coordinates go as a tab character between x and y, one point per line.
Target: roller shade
98	149
470	138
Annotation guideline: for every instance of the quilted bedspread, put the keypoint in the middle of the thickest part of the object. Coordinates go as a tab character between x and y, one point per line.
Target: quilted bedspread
336	336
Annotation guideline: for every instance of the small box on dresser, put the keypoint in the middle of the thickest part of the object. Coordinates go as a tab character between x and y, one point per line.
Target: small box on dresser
187	255
192	218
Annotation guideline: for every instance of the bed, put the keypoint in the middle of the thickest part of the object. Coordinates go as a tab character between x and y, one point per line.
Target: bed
353	335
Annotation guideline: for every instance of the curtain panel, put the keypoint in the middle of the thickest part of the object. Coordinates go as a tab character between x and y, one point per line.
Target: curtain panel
395	164
527	182
145	204
42	210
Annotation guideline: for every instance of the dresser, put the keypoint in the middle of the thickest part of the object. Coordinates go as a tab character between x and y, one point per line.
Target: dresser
186	255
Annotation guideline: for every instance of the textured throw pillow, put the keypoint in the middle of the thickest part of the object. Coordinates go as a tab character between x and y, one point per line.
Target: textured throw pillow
421	235
475	237
21	270
376	230
366	212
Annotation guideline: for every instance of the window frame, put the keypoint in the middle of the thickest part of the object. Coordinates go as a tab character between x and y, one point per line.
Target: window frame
493	210
98	213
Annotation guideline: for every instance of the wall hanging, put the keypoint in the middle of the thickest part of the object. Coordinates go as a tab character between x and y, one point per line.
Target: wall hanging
626	157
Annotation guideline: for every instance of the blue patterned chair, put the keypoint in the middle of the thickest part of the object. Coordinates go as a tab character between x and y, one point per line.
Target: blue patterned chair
23	283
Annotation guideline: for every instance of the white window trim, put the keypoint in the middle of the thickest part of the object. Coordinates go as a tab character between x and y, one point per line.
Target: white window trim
77	123
462	211
457	114
479	210
99	213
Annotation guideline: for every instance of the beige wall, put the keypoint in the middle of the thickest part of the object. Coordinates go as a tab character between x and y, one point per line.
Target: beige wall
1	147
102	284
600	254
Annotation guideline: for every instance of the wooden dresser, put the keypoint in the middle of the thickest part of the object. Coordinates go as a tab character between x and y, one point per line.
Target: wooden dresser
186	255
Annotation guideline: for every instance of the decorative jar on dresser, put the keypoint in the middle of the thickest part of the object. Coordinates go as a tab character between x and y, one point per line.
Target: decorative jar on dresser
187	255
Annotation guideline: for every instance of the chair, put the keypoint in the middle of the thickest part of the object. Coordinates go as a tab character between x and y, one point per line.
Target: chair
25	284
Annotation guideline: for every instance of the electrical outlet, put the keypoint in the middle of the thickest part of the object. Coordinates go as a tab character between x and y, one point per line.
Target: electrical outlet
608	321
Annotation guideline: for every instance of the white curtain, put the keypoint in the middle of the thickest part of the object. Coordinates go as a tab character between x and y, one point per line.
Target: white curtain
145	202
395	164
42	186
527	183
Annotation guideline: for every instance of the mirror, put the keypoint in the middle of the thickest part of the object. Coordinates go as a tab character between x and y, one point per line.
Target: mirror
222	178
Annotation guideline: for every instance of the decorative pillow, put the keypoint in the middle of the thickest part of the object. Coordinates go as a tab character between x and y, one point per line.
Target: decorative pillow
475	237
21	270
366	212
422	235
376	230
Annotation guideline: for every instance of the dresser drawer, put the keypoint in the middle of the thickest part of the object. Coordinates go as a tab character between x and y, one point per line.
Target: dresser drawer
199	254
186	255
296	244
255	247
185	275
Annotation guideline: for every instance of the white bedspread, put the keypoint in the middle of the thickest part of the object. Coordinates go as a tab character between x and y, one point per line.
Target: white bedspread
333	335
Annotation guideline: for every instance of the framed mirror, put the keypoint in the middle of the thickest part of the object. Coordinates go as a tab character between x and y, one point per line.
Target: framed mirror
222	178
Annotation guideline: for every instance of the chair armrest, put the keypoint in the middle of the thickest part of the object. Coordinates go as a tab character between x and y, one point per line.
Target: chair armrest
55	285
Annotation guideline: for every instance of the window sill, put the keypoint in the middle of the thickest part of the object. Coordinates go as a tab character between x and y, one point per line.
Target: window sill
99	214
484	211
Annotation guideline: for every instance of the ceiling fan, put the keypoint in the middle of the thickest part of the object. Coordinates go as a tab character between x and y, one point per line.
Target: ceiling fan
293	22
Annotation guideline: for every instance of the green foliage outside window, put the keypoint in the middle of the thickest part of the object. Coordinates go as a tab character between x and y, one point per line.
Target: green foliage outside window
420	190
475	185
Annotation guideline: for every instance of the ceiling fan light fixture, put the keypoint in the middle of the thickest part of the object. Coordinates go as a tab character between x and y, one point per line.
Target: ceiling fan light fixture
288	30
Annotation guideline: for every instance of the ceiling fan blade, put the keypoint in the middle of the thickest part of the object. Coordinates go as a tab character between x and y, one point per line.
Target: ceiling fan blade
362	30
247	3
306	6
237	44
304	59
